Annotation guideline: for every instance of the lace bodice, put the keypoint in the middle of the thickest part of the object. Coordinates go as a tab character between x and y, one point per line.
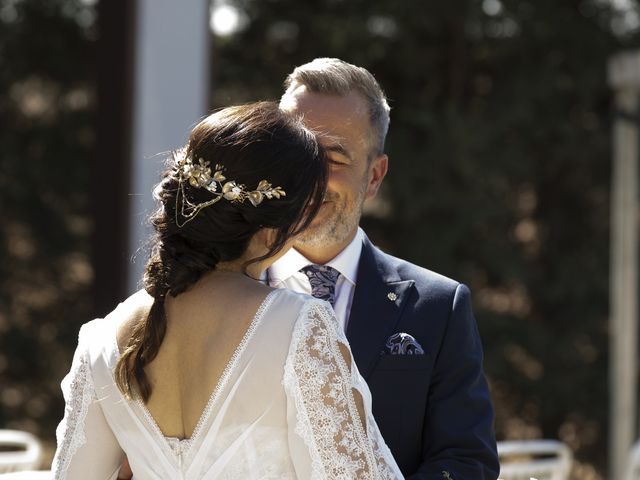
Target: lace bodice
286	407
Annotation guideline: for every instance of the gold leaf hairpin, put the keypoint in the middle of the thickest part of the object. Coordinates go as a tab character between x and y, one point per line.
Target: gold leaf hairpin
198	175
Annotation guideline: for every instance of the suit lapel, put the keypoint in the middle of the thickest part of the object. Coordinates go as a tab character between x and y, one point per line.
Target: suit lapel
378	302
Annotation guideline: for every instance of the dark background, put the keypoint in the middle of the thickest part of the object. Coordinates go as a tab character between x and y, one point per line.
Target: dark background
499	177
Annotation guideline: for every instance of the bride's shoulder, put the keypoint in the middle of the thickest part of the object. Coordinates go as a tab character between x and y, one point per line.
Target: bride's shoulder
128	314
300	304
120	321
293	300
134	307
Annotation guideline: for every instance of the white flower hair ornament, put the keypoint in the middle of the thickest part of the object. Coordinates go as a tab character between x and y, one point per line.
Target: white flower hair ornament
198	175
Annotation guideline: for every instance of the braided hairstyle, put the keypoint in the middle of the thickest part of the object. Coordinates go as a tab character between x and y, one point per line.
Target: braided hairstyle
253	142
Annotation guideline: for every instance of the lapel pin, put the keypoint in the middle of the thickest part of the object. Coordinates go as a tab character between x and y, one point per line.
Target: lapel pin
392	296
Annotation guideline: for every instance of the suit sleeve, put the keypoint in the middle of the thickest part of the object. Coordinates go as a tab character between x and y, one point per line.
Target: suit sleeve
458	436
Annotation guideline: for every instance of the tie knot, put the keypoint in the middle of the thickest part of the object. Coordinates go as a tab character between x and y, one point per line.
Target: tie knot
323	281
324	272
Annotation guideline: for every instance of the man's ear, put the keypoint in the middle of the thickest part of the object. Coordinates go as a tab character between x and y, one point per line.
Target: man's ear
377	171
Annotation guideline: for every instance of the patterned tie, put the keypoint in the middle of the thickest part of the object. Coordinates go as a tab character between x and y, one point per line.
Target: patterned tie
323	281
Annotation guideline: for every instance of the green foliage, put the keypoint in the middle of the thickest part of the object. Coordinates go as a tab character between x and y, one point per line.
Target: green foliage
48	114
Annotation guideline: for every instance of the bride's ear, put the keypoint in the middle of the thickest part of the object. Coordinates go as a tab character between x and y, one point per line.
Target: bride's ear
271	234
265	237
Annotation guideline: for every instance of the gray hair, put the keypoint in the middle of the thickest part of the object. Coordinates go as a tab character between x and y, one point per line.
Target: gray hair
337	77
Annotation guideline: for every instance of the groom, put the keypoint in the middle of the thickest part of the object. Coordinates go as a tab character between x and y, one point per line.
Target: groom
412	331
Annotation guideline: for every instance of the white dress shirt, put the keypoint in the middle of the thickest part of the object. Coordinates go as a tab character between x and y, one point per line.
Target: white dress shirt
285	273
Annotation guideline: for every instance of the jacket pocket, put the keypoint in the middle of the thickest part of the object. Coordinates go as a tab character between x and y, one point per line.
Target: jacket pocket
404	362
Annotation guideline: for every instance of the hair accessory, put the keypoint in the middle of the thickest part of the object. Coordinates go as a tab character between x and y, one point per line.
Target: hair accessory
198	175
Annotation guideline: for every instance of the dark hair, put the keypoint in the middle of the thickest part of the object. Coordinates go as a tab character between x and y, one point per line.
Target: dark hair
253	142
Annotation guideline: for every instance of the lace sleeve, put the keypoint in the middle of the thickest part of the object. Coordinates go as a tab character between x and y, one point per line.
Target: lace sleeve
86	446
319	380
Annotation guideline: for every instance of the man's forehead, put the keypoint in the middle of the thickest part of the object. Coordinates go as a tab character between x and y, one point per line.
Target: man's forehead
299	98
338	119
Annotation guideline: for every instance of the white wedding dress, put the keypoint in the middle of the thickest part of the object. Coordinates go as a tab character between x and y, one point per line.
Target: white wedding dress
283	408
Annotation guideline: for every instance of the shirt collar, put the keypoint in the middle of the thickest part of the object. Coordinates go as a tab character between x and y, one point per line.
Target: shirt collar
346	262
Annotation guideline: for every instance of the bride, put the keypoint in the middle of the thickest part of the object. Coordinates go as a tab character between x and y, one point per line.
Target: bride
207	373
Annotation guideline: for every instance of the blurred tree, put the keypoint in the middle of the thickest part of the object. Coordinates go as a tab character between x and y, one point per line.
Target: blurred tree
499	173
47	117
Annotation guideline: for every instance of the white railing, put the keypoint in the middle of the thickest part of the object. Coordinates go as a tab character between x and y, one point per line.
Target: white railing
19	451
539	459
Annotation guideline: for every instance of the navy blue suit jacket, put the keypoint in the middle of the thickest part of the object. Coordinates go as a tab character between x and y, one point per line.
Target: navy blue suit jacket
434	410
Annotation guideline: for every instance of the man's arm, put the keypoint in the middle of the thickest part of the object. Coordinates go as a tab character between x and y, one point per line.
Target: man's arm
458	436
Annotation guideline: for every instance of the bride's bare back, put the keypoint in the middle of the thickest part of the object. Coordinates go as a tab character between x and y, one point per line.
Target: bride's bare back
204	327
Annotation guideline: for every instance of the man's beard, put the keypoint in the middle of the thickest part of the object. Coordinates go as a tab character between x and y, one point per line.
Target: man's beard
339	223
